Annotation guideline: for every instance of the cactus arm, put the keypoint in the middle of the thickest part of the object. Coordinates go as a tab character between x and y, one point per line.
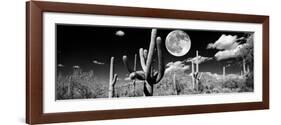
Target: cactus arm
133	74
145	54
137	75
114	79
140	75
125	61
142	59
135	63
161	68
200	76
150	53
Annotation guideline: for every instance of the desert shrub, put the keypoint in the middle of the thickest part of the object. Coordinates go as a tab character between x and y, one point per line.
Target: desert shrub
78	85
79	91
230	83
62	83
250	80
226	90
216	90
127	89
122	91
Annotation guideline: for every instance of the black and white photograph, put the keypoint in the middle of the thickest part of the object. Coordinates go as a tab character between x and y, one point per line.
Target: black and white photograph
94	61
91	61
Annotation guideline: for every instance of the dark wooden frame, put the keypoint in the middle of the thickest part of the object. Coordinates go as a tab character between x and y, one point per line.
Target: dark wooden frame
34	62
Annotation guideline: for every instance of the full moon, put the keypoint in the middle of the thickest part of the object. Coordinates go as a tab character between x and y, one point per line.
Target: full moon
178	43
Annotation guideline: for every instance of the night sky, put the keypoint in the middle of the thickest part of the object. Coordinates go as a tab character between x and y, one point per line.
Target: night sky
82	44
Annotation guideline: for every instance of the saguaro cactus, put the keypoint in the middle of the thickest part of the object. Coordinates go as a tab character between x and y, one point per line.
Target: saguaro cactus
192	73
197	77
112	79
148	73
195	73
223	74
72	78
244	66
176	85
197	61
135	69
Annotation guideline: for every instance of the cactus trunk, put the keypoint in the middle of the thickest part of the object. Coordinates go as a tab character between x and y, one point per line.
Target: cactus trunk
223	74
197	62
192	74
175	84
135	69
112	79
148	89
69	87
195	72
244	66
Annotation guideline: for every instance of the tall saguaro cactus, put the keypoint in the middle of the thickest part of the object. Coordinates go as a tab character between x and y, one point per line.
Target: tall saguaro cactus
197	61
176	86
148	73
223	74
135	69
195	73
192	75
112	79
72	78
244	66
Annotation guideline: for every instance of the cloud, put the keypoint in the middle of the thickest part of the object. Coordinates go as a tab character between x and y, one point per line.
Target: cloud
228	65
127	78
76	67
226	54
60	65
119	33
199	59
176	66
98	63
231	46
239	51
227	42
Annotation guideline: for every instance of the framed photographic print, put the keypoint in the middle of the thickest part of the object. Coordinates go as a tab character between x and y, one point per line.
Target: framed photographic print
95	62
